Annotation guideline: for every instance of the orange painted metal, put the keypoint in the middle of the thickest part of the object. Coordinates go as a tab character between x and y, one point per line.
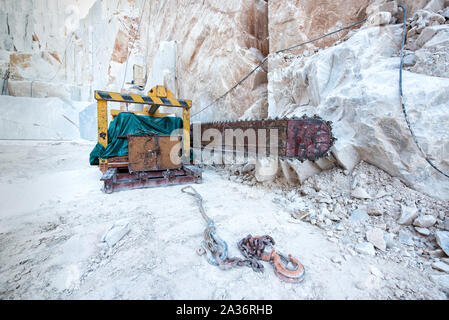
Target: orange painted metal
279	262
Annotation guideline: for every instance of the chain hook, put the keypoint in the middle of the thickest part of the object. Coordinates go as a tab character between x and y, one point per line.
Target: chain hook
282	269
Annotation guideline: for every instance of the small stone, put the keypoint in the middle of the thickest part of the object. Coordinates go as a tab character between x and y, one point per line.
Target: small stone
382	194
380	18
365	248
358	216
389	240
338	260
335	218
409	60
423	231
442	281
381	226
446	13
434	5
361	285
324	212
445	225
445	260
438	253
360	193
334	240
442	238
116	232
441	266
405	238
394	228
408	215
374	210
247	168
376	237
376	272
425	221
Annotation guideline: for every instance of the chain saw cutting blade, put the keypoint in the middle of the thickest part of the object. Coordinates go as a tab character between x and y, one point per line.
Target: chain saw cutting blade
306	138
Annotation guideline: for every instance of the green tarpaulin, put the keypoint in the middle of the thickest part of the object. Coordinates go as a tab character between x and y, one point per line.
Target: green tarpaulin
128	123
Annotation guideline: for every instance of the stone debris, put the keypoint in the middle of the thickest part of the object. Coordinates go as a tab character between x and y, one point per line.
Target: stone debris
405	238
337	259
442	238
445	224
376	272
438	253
376	237
425	221
408	215
441	266
360	193
359	216
389	240
423	231
365	133
117	231
365	248
389	226
379	19
442	281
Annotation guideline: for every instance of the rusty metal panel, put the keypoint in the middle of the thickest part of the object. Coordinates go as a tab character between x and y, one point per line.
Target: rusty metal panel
150	153
114	180
308	139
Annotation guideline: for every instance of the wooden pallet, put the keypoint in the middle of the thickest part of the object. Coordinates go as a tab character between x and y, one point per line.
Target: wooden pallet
115	162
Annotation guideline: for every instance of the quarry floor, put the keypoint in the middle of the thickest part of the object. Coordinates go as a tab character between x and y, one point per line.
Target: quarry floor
53	216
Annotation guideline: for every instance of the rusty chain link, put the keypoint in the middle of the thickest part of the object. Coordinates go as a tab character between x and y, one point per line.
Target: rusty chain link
252	248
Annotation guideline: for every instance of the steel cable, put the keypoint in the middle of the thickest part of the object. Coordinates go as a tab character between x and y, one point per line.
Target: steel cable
401	92
276	52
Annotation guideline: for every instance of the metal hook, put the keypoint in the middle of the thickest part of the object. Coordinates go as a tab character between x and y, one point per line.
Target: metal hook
286	273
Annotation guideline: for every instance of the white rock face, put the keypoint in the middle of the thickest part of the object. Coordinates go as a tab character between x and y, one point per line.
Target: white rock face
355	85
35	118
199	50
428	39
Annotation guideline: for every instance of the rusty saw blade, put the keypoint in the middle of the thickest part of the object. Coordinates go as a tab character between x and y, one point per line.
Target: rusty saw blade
306	138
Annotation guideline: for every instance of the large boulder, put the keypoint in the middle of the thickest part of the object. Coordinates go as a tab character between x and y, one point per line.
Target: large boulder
355	84
37	118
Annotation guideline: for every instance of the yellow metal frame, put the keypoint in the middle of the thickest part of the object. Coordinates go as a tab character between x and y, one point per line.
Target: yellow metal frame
157	97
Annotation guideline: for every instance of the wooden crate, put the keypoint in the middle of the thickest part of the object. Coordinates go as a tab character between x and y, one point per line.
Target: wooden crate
152	153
